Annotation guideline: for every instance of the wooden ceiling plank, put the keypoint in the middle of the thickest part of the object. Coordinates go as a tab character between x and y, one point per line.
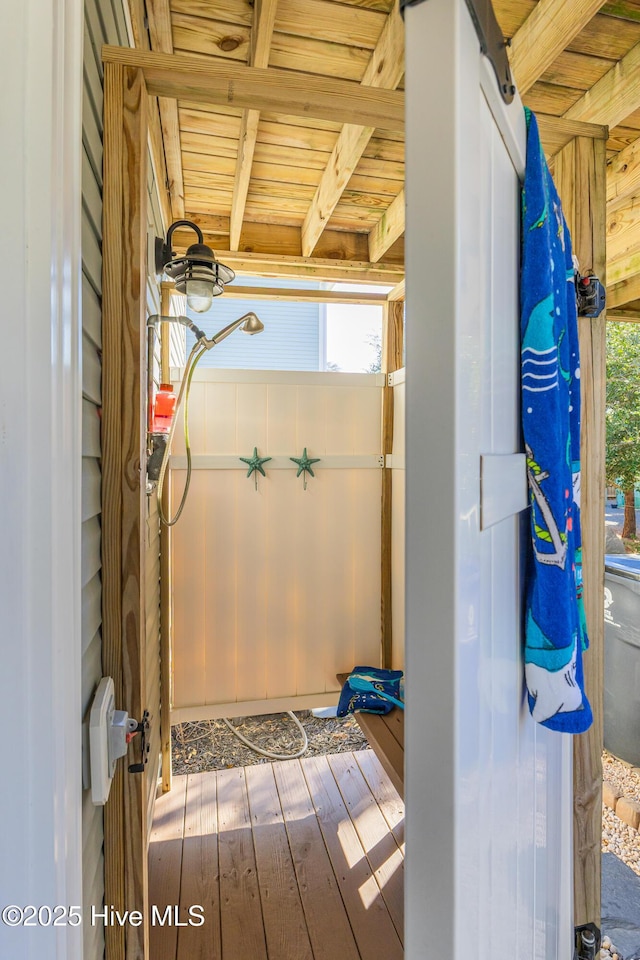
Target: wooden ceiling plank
576	70
261	34
159	16
552	99
386	68
615	96
623	173
341	24
231	11
546	32
280	91
623	227
388	229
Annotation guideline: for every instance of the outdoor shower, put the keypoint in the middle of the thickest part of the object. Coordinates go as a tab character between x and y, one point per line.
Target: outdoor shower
159	438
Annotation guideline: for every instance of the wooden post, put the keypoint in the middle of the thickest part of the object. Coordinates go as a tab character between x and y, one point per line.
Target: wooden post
392	341
123	491
165	572
580	170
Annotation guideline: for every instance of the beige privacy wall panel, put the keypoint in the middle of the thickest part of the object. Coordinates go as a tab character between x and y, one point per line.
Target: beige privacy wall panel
276	590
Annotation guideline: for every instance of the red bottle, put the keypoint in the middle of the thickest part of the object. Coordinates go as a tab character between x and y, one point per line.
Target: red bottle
164	408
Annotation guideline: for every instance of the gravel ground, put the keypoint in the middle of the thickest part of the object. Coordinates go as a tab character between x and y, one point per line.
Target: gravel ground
617	837
210	745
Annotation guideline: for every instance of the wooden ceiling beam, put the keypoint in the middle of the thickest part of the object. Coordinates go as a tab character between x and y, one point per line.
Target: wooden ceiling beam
316	268
264	17
159	15
238	292
624	267
624	292
614	97
285	92
388	229
385	69
547	31
628	316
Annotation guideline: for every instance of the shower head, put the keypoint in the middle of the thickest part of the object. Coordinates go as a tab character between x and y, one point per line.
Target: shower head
249	323
252	324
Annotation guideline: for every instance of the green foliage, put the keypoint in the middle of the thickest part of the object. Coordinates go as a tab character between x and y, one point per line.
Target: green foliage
623	404
375	340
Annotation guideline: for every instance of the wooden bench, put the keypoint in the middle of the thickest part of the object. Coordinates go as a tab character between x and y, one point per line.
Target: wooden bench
385	733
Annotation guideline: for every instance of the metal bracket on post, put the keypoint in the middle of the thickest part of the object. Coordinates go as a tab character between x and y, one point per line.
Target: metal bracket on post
492	43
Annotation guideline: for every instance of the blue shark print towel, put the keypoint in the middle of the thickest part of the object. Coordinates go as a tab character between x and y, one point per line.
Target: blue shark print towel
387	681
555	633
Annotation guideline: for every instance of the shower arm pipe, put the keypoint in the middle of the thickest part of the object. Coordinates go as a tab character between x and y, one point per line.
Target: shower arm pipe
157	318
151	332
152	325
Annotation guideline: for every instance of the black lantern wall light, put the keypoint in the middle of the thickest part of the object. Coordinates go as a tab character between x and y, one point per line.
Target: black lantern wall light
197	274
200	277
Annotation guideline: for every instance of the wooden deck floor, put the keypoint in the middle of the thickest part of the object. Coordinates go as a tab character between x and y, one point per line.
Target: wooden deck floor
297	860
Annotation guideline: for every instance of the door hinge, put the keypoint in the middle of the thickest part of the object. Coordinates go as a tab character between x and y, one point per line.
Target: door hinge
492	42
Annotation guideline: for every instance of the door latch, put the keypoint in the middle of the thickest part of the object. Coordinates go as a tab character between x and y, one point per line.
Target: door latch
145	746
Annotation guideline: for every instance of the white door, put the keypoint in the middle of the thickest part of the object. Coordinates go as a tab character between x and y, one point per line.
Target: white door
488	792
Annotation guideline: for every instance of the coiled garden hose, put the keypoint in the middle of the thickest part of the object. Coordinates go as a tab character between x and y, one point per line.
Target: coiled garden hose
268	753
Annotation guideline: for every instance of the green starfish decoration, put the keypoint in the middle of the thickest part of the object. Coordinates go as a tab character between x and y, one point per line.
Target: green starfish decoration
255	464
304	465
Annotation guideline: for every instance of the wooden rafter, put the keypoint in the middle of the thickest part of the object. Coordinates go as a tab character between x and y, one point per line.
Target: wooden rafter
159	16
385	69
388	229
262	31
615	96
547	31
275	90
